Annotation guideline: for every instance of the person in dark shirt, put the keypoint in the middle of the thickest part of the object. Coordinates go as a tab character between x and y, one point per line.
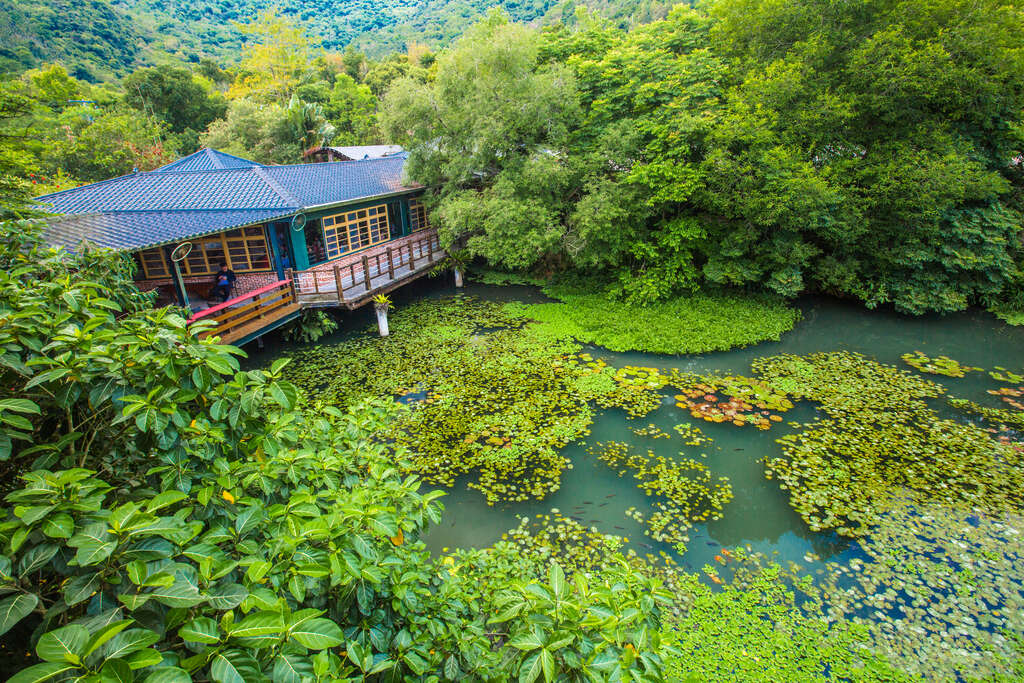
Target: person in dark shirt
223	283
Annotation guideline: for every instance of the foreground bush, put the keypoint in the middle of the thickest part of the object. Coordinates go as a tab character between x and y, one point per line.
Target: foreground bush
182	519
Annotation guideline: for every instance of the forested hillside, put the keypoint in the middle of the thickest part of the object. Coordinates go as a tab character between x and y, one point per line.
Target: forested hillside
96	39
92	39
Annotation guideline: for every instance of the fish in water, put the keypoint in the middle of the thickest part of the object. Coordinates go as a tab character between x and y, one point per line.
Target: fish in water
620	528
602	505
713	543
578	519
588	502
595	521
737	449
644	545
610	495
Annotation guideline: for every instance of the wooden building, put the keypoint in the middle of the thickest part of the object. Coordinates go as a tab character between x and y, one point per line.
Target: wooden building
330	234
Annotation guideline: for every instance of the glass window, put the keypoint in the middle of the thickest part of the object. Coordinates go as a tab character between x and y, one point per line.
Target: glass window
315	249
356	229
152	263
417	216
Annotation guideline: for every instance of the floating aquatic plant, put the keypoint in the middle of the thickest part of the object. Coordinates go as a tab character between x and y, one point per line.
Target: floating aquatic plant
653	431
730	398
939	365
937	589
1003	375
488	396
685	492
881	437
693	435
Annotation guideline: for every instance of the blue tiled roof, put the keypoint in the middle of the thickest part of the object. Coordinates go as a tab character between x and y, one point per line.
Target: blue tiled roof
207	160
186	199
130	230
331	183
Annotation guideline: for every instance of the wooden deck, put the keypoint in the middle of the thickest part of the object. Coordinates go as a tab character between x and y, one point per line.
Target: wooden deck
251	314
355	283
350	283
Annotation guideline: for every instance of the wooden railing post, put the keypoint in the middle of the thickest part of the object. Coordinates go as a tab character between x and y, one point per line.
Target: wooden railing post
412	258
337	282
391	265
376	258
289	275
316	283
430	250
352	273
366	273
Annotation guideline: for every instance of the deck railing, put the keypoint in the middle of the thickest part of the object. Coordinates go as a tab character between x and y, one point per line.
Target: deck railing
248	313
356	277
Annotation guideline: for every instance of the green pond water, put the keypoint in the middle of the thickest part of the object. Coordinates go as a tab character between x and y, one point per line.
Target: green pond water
759	515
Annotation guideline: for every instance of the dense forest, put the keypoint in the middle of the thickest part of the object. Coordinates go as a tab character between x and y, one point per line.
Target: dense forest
870	153
97	40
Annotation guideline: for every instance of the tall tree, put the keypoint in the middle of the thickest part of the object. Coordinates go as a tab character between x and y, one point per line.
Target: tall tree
276	59
175	97
490	132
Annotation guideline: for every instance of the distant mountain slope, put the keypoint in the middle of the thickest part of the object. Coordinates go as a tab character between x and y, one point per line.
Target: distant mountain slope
97	38
90	37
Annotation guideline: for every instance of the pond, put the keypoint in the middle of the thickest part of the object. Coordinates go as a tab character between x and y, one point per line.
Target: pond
759	517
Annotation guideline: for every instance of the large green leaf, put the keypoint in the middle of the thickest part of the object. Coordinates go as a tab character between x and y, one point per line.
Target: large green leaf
264	623
116	671
226	596
14	608
66	644
127	642
200	630
233	666
317	634
41	672
99	638
168	674
60	525
81	588
530	669
179	594
292	668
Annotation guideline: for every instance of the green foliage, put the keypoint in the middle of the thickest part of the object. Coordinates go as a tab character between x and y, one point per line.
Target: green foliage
689	324
940	365
757	632
881	438
196	521
310	327
489	397
93	39
263	133
686	494
174	96
100	144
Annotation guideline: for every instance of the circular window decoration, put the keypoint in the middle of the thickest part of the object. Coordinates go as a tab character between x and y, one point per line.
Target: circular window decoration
181	252
299	222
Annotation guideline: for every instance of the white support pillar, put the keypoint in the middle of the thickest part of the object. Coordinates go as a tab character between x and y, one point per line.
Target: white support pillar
458	277
382	321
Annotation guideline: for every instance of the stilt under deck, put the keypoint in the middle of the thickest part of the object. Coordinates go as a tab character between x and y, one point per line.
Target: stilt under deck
350	283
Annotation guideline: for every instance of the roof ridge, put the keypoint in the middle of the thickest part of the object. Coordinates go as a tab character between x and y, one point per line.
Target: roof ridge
333	163
277	187
217	163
